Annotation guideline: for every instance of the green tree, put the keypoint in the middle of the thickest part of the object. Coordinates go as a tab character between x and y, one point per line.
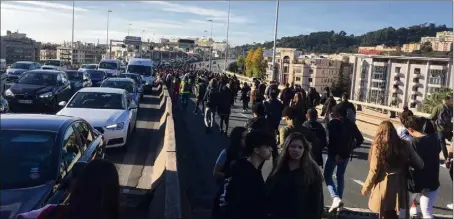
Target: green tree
240	62
249	63
232	67
426	47
257	63
340	85
434	99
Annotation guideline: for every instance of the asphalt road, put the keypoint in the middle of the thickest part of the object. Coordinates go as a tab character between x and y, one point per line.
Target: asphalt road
197	153
135	164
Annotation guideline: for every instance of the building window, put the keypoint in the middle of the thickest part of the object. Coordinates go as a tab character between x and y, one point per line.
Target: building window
379	84
311	71
285	69
362	83
417	71
416	80
437	77
397	70
378	76
297	79
434	90
310	80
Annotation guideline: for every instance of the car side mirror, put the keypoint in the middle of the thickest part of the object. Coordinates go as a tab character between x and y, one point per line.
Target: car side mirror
62	103
132	105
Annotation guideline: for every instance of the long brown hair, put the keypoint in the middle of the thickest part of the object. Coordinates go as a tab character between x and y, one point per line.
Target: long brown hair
390	149
298	98
307	163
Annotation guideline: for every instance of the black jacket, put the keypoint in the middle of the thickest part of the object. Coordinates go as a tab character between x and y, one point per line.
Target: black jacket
211	96
225	101
288	197
319	131
273	110
428	149
245	192
341	133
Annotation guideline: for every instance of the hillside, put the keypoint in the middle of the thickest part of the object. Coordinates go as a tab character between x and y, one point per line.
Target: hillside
332	42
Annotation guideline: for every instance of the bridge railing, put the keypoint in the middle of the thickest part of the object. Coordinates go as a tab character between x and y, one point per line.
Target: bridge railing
359	104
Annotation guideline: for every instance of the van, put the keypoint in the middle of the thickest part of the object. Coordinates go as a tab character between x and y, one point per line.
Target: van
144	68
110	66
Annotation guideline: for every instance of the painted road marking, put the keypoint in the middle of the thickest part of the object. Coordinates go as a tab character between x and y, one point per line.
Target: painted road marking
361	183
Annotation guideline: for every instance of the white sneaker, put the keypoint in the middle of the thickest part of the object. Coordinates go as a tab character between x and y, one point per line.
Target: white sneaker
337	202
449	206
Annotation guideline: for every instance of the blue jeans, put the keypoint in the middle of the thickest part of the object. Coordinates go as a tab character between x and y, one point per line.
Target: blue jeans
328	174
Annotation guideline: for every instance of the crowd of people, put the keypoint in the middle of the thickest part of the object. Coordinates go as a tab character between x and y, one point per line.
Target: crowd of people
404	162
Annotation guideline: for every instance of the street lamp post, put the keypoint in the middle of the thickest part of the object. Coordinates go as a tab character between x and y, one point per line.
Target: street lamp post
108	15
72	39
227	43
211	38
273	75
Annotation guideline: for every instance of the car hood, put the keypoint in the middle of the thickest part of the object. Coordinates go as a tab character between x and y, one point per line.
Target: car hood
31	89
15	71
96	117
16	201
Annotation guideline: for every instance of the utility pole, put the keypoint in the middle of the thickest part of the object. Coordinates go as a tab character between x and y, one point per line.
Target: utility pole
273	75
110	45
227	43
72	39
211	38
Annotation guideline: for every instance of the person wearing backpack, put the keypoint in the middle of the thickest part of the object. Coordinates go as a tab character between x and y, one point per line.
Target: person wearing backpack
245	96
319	131
351	111
211	102
344	137
442	117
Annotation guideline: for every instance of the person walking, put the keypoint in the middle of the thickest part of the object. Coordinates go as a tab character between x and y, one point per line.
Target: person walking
300	108
389	159
286	95
344	137
351	111
245	96
200	90
225	159
442	117
185	91
244	194
319	131
211	101
295	186
224	109
327	110
273	110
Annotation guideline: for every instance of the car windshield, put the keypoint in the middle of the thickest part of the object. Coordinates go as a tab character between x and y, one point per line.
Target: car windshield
52	62
136	78
95	74
21	65
90	66
26	158
38	78
97	100
75	75
140	69
108	65
128	86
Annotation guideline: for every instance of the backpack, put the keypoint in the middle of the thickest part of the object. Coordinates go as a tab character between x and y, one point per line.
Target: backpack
351	141
211	97
187	87
445	119
351	115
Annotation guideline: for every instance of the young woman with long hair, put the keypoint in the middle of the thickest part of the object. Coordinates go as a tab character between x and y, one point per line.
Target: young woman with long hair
227	156
389	159
295	184
300	106
95	195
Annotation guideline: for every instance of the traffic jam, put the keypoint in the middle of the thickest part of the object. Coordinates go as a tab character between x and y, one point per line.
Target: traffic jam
54	120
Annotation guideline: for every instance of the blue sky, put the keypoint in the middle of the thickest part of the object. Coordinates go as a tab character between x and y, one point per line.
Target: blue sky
249	21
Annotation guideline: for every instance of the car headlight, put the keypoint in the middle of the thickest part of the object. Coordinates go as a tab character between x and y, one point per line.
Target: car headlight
9	93
118	126
46	95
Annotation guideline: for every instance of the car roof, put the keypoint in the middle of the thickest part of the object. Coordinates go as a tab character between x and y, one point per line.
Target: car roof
46	71
103	90
25	62
120	79
130	74
42	122
72	71
110	60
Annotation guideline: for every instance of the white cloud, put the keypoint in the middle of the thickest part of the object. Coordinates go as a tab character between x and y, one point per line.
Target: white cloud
52	5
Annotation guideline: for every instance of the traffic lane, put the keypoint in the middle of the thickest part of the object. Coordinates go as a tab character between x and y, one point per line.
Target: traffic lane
196	153
135	164
357	171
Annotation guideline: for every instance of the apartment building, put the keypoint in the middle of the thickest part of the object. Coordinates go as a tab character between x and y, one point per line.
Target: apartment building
18	47
45	54
410	47
377	49
81	53
442	42
398	80
310	70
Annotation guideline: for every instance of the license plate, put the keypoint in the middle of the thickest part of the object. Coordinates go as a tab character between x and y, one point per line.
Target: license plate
25	101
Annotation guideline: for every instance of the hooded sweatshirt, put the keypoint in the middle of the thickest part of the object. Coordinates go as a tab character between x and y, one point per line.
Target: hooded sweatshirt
211	96
244	192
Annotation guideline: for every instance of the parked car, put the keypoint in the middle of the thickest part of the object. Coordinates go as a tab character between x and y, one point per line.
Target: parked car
124	83
40	157
88	67
109	110
78	80
17	69
138	79
54	64
96	76
39	90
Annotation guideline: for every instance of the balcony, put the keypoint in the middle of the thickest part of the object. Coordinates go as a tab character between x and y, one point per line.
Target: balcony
395	94
415	88
396	78
416	80
396	86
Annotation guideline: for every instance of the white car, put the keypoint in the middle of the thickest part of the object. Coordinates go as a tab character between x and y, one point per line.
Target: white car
54	64
88	67
110	110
